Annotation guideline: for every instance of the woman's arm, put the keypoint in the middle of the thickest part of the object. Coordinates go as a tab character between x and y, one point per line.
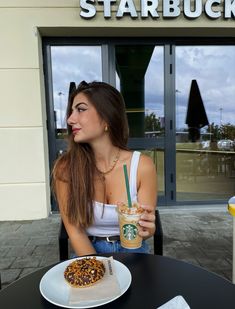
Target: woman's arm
78	237
147	195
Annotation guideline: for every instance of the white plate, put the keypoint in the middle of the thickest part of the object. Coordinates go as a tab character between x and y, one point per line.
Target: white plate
54	288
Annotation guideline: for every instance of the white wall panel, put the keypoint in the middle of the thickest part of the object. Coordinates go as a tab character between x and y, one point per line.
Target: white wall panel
21	155
23	202
19	42
20	102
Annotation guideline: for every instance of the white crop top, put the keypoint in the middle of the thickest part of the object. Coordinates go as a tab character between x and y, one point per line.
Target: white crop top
108	224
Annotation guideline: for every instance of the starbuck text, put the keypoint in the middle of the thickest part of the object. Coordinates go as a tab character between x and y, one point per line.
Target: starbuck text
170	8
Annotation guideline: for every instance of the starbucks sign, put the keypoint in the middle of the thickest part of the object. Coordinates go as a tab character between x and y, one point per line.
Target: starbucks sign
191	9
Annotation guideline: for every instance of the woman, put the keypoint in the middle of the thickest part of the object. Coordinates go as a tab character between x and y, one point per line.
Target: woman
89	181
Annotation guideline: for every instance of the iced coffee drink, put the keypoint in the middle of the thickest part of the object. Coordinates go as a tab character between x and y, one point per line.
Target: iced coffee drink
128	223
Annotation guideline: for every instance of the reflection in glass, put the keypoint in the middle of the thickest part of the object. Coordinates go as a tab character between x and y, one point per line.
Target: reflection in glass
206	167
140	78
196	117
72	64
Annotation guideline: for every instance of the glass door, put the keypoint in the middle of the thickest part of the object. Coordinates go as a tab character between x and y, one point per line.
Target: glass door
136	70
140	78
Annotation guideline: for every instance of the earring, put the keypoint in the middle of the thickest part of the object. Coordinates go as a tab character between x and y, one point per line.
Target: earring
106	129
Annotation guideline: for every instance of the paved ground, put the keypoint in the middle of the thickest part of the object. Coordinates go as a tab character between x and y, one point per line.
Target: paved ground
199	235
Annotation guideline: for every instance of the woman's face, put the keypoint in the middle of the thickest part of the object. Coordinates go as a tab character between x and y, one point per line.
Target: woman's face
84	120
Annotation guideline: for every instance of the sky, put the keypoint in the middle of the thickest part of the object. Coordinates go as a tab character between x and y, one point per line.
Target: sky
214	69
212	66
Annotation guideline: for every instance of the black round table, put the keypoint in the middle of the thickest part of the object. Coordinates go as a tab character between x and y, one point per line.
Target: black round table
155	280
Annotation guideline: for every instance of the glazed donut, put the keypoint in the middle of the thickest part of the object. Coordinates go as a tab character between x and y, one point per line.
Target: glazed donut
84	272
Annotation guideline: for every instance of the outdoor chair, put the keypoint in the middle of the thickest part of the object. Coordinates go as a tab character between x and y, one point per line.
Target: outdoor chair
157	239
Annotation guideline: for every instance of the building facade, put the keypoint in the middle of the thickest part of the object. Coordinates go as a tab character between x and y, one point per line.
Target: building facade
141	47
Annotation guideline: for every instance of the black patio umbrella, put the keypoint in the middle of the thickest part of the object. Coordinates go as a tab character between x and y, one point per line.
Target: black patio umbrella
72	87
196	117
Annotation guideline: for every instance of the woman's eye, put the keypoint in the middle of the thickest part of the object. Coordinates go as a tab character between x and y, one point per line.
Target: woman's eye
80	110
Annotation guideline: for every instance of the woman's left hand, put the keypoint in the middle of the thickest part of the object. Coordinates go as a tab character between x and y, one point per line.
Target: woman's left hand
147	222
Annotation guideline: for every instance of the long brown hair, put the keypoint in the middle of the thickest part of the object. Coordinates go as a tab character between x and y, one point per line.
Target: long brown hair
77	166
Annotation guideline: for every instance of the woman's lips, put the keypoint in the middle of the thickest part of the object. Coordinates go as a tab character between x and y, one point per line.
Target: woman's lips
75	131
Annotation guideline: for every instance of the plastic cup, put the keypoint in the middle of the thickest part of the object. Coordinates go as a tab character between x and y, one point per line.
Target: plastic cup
128	223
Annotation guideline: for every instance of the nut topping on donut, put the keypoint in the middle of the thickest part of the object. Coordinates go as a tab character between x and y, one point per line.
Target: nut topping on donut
84	272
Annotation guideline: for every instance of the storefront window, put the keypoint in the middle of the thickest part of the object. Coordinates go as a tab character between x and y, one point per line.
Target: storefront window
205	151
205	126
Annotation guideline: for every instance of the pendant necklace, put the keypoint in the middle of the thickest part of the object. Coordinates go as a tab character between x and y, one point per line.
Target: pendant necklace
103	173
115	160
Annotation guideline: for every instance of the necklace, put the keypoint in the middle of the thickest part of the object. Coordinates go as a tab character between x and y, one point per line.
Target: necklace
115	160
103	173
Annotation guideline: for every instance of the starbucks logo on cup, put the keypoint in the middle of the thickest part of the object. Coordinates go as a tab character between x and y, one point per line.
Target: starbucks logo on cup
130	231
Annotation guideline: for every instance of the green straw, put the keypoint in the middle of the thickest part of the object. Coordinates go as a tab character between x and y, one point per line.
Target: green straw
127	186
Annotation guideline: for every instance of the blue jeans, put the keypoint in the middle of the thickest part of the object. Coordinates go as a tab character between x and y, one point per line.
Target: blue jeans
103	246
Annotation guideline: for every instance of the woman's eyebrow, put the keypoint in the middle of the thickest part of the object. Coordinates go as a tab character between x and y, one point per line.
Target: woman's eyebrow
76	105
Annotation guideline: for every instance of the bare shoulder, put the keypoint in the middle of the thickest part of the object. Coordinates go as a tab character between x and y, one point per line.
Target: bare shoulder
147	174
146	163
146	169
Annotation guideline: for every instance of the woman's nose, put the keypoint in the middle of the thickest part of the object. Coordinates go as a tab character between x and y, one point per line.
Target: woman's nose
70	120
